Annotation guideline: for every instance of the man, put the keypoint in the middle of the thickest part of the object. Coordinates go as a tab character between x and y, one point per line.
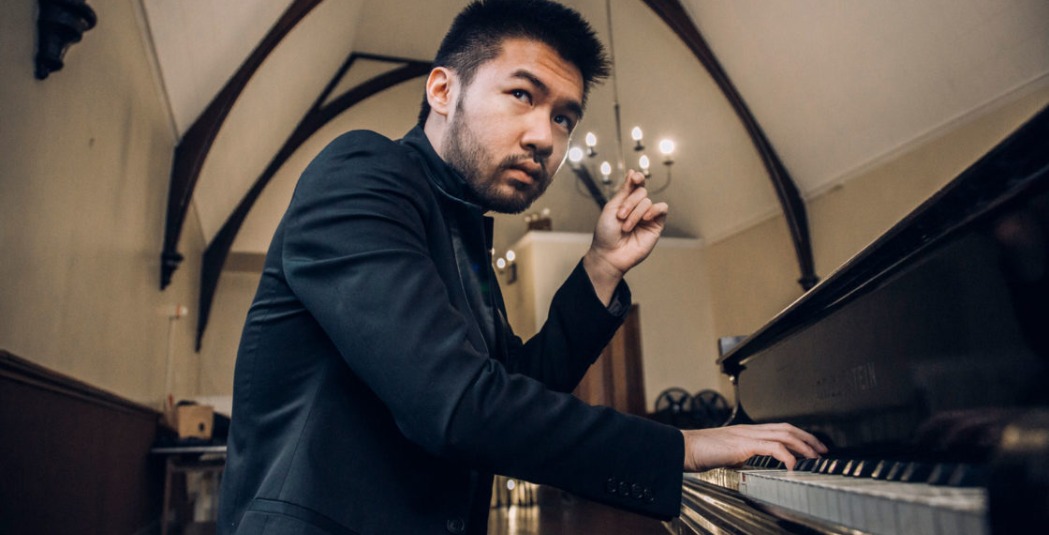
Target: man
378	387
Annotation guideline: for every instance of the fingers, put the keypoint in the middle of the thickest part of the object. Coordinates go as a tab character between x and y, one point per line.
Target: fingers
632	181
630	193
784	442
795	439
634	215
781	454
732	445
634	205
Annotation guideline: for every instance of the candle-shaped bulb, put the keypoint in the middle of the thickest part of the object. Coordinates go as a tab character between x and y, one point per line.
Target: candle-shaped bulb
636	135
606	169
591	140
666	146
575	155
511	255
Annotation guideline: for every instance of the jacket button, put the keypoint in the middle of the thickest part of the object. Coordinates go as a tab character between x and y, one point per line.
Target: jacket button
637	491
610	486
456	525
624	489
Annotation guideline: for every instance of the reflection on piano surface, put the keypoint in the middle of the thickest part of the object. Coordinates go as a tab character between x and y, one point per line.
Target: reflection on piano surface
923	363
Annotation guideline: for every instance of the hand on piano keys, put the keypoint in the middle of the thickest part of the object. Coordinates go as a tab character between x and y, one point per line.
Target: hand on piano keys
733	445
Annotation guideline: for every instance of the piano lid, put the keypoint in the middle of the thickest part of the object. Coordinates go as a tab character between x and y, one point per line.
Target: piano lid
944	313
1015	169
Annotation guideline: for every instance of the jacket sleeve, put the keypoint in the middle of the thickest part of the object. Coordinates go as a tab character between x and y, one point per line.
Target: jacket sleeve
577	329
355	254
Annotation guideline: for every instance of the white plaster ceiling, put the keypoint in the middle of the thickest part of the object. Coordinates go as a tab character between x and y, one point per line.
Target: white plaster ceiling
837	87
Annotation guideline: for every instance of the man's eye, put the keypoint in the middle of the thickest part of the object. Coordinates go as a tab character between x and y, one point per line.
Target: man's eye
565	121
521	94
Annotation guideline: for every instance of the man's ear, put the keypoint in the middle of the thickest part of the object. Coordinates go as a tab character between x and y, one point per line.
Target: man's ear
440	89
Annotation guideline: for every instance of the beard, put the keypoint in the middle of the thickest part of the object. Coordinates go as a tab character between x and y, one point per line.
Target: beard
465	153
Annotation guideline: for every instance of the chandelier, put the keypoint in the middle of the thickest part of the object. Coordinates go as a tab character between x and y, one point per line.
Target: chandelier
584	163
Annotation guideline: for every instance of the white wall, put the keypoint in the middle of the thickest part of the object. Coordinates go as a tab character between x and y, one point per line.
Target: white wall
754	272
85	157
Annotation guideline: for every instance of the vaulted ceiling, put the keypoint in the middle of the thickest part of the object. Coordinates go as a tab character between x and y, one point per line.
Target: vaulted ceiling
836	86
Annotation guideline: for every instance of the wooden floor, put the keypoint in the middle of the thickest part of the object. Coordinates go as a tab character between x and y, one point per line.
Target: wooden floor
564	514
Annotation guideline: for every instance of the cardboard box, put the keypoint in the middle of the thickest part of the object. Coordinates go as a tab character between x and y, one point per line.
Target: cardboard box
194	421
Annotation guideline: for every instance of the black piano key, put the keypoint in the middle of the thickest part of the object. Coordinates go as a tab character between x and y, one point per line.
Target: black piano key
916	472
823	465
896	471
863	468
837	466
834	463
805	465
847	470
941	473
881	470
969	475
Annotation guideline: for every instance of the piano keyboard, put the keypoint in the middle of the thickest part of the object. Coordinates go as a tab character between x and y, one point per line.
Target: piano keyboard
861	503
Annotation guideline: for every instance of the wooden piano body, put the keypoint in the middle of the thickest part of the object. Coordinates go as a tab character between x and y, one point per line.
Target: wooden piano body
928	351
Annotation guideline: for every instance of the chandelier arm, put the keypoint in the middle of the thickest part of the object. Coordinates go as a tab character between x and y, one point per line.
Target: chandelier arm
620	160
578	186
595	192
663	187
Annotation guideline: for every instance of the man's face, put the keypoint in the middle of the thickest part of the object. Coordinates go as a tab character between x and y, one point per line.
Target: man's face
510	128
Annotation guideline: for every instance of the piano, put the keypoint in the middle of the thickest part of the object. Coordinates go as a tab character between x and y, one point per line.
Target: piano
923	363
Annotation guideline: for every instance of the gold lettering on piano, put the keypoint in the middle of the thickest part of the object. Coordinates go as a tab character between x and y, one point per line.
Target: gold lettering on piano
847	382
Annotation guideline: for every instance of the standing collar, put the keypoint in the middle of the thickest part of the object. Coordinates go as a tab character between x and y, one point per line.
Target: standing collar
446	179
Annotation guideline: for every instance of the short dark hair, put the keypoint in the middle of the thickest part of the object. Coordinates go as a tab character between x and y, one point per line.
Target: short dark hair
477	34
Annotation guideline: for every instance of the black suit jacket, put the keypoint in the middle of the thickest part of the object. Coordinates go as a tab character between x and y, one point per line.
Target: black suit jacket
377	385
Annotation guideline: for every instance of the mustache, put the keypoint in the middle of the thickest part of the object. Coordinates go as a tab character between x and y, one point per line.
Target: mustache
523	162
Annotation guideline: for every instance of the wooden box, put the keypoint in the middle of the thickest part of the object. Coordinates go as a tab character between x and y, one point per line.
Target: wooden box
194	421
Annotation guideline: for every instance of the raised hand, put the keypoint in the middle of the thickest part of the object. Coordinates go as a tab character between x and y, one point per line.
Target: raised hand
627	230
732	445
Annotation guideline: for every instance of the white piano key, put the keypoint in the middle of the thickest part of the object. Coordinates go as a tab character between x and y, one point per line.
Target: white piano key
871	514
830	505
794	490
887	514
871	505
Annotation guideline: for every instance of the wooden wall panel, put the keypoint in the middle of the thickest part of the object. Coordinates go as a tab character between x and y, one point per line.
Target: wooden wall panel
74	459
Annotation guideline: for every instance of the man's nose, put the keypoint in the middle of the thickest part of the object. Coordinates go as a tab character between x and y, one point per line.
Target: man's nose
538	138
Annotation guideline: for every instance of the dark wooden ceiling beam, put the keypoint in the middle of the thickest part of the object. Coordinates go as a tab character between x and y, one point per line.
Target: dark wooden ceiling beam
195	145
674	15
584	176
